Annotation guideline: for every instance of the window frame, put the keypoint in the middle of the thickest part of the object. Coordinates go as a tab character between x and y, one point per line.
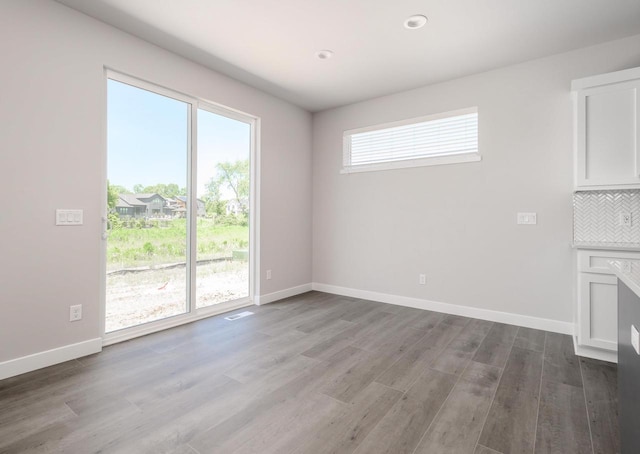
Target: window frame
441	159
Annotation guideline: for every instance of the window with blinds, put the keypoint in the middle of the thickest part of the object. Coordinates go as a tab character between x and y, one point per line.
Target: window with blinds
446	138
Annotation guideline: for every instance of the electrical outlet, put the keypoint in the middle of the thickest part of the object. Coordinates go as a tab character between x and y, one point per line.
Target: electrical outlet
625	220
422	279
268	274
75	313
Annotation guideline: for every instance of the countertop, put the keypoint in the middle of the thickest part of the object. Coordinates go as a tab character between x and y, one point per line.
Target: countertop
628	271
632	247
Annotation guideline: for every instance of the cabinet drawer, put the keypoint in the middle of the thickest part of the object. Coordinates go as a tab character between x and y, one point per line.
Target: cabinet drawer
597	261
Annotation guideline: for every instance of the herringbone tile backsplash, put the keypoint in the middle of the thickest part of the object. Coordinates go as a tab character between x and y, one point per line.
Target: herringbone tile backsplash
596	216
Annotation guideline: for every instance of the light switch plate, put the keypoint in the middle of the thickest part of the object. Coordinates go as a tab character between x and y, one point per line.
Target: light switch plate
69	217
635	339
527	218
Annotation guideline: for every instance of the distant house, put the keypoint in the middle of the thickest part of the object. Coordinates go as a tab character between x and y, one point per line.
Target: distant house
142	205
182	201
154	205
237	206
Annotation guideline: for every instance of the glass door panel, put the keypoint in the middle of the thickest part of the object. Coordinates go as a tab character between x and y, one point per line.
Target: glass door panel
223	191
148	141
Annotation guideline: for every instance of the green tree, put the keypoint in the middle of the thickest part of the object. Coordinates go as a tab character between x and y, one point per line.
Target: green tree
232	177
215	207
113	193
170	190
212	203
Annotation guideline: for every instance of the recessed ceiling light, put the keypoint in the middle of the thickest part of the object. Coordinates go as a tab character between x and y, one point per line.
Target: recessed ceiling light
324	54
416	21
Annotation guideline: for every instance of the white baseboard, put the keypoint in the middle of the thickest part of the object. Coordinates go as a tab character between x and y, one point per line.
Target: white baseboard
526	321
58	355
282	294
47	358
595	353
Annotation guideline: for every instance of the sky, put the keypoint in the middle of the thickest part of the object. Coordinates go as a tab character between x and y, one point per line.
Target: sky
147	137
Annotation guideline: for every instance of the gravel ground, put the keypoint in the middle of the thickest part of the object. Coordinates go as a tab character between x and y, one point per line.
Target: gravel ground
142	297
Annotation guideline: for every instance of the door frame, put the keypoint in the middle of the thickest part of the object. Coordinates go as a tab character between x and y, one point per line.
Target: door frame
193	313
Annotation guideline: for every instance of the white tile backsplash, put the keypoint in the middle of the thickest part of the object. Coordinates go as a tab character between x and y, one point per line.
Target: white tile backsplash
596	216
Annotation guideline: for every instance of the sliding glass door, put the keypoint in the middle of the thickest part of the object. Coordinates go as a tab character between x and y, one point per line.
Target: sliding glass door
224	151
178	216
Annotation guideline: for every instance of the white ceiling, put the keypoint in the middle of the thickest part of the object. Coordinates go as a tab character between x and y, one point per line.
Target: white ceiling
271	44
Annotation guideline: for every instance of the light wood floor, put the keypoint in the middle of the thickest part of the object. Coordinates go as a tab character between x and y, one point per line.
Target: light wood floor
320	374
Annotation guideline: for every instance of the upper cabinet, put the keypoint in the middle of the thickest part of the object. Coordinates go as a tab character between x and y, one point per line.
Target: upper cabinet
607	130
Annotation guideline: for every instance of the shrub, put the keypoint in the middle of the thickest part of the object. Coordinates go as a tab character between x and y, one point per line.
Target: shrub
114	221
148	248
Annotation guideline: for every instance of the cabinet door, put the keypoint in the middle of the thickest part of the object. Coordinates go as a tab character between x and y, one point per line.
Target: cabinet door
608	135
598	311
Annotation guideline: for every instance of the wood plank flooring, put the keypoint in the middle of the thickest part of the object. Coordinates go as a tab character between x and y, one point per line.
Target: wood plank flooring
320	374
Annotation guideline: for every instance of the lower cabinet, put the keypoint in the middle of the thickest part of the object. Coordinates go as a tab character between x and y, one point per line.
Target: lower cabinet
597	303
598	311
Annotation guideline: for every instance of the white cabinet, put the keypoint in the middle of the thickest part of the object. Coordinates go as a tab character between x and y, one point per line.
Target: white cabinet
597	303
607	130
598	311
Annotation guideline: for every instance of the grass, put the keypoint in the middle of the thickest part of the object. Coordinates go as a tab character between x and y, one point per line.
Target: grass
165	242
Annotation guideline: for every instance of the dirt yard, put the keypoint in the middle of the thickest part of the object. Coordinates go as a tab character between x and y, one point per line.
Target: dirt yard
145	296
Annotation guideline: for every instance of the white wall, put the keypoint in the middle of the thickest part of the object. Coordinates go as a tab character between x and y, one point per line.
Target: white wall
377	231
52	113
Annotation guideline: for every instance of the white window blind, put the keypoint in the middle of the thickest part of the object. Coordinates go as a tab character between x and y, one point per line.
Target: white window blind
414	142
